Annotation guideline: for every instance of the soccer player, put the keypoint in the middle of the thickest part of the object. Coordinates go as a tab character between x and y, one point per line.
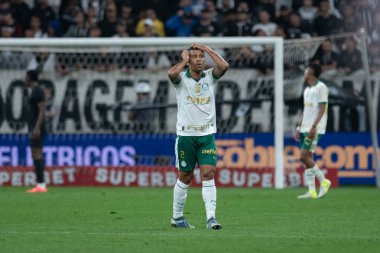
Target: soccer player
310	129
37	128
196	126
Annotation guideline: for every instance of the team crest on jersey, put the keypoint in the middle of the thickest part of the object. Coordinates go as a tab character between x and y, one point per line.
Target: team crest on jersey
204	87
183	164
197	88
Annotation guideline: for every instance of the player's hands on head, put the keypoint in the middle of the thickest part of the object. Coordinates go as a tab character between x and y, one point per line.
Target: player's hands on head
201	47
185	55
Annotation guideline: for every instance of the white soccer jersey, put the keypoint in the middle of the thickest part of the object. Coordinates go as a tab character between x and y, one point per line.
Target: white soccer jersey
196	104
313	96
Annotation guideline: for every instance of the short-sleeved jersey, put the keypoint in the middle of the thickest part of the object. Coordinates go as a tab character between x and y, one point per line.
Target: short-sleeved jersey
37	96
196	104
313	96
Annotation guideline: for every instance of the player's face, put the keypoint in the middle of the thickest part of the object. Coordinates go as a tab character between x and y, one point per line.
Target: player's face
197	60
307	74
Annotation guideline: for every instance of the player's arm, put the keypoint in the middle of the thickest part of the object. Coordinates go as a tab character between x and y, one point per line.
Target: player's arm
322	108
297	132
174	72
221	65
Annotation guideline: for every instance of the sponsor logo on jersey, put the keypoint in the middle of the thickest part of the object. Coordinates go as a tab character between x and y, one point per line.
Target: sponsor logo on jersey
197	88
199	101
209	151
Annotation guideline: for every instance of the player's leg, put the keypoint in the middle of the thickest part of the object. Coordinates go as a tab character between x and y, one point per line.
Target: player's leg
307	148
207	163
39	165
185	162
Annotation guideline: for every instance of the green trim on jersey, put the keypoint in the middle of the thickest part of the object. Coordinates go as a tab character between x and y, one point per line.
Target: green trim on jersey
314	83
214	76
189	75
193	150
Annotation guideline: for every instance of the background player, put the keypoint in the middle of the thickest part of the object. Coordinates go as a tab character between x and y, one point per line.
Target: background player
310	129
37	128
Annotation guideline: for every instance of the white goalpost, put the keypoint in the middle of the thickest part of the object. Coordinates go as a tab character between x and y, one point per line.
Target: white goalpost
84	46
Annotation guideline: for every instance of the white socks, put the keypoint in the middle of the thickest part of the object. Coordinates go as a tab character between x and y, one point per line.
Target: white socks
317	172
41	185
179	199
208	194
209	197
310	176
310	179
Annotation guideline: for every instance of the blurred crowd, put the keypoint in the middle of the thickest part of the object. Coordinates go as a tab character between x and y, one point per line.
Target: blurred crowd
149	18
291	19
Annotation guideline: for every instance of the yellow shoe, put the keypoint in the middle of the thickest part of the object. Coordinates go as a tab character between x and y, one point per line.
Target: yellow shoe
325	186
308	195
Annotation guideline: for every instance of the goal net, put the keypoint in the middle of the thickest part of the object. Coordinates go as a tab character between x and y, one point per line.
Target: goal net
121	85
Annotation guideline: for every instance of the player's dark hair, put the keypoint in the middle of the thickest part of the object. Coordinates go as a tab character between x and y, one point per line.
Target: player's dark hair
316	69
33	75
194	48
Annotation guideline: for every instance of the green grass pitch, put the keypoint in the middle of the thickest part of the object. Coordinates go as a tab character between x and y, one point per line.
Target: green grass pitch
137	220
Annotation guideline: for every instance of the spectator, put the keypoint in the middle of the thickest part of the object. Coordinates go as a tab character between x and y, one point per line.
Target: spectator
327	59
243	57
264	5
121	29
142	119
295	29
7	31
326	23
283	17
350	23
91	16
44	12
4	9
8	21
279	32
214	14
80	28
21	13
126	14
264	23
108	25
159	28
149	29
350	58
182	24
242	26
308	13
226	10
36	27
265	61
206	25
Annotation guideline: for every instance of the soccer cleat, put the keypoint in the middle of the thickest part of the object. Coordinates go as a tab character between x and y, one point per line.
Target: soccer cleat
37	189
325	185
213	224
308	195
180	222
